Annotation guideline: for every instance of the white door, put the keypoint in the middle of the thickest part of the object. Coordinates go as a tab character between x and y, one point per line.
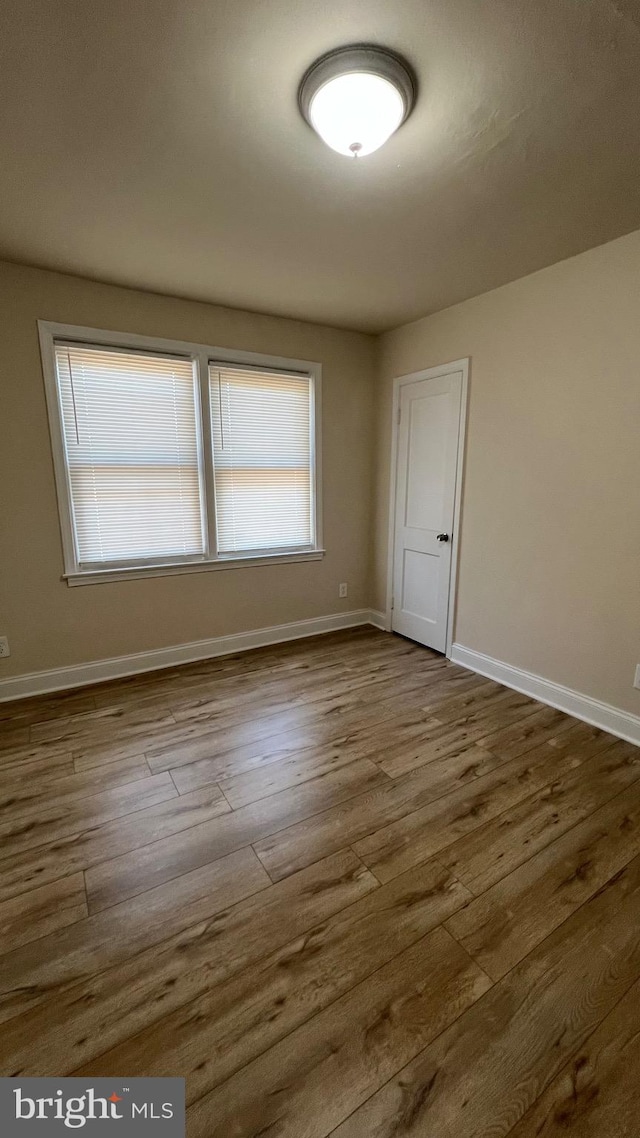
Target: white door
428	438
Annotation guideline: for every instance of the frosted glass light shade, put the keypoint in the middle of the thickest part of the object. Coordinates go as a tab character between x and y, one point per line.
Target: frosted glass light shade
356	113
356	97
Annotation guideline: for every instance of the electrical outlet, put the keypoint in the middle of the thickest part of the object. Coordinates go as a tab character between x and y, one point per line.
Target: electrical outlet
342	590
4	646
636	682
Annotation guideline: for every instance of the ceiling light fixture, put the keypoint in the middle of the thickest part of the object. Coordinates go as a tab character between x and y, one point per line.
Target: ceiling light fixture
356	97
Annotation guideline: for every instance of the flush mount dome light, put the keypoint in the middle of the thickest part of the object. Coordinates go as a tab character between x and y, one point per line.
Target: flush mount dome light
356	97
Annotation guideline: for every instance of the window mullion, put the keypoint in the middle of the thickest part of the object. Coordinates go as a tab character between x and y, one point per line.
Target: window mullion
202	364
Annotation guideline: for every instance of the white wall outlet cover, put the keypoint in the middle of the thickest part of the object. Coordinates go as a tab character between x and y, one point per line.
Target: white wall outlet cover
342	590
636	682
4	647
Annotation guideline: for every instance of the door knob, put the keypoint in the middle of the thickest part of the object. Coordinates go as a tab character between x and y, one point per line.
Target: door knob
442	537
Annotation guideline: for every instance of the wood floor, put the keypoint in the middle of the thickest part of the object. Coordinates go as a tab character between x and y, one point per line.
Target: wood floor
343	886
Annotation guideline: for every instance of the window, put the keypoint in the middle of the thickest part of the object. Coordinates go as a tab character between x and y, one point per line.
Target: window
261	423
132	455
175	456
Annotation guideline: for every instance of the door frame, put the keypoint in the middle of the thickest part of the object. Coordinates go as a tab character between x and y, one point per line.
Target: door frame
399	382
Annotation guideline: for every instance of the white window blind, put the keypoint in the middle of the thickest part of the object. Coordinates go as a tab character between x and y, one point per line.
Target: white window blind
131	439
263	459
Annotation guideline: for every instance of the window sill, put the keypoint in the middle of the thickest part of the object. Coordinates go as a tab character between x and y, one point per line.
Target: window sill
101	576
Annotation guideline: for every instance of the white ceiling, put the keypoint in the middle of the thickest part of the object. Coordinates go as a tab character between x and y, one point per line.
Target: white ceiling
157	143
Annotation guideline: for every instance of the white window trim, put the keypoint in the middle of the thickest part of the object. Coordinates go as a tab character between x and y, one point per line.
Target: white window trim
201	354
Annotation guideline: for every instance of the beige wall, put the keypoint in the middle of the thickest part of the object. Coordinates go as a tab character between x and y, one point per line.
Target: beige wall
550	540
51	625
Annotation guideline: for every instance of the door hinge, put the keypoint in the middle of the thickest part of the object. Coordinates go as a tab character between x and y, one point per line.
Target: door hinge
399	414
393	602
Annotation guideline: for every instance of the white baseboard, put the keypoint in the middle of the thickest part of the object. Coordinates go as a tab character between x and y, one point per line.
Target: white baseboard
77	675
378	620
593	711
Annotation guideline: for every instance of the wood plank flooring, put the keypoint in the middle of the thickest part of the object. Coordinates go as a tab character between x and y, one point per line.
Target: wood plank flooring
342	886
